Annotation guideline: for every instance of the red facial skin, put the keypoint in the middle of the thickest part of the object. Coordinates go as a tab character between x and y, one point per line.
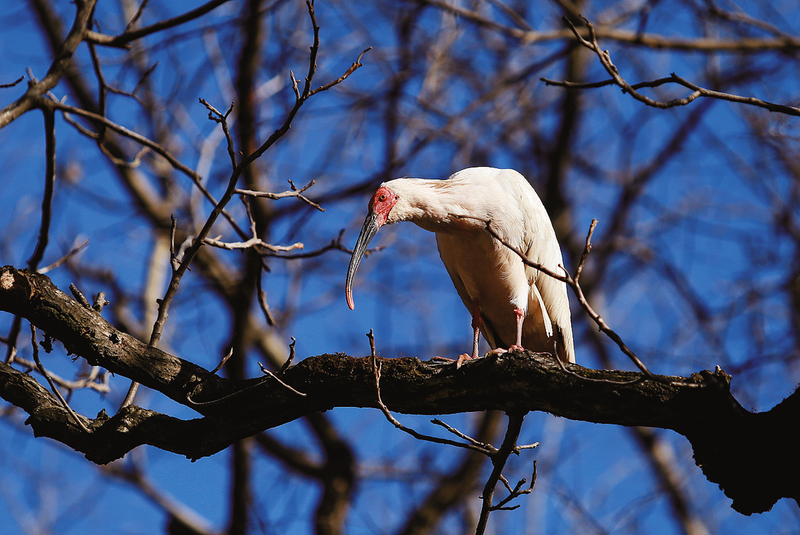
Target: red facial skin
382	203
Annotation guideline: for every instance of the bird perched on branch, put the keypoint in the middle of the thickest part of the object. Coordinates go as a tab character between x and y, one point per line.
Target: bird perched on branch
514	305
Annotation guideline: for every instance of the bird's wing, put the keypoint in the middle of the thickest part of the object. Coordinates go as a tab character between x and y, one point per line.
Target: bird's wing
540	244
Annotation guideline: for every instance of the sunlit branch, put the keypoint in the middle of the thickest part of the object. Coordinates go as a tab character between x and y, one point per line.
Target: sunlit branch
294	192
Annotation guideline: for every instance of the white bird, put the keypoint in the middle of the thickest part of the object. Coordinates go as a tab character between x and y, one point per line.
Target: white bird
512	304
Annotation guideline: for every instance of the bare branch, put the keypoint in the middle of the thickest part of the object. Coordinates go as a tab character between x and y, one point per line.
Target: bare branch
231	188
49	185
294	192
222	119
88	381
356	64
262	302
499	460
66	258
278	379
591	43
12	84
252	243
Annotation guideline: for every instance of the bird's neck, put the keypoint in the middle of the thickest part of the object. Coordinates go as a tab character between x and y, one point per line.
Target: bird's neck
433	205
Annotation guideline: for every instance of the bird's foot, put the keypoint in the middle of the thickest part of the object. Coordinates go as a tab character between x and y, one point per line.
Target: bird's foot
501	350
463	357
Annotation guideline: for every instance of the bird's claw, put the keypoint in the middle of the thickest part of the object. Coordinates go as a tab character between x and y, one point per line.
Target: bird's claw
463	357
501	350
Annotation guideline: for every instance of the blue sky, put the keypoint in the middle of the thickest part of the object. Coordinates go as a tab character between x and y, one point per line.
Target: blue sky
403	293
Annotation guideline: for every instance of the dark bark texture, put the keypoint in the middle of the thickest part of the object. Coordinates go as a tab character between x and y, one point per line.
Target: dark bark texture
701	407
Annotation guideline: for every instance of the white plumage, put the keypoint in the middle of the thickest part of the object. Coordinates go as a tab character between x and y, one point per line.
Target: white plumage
512	304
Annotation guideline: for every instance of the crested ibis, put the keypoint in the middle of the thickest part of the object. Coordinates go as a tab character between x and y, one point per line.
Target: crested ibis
512	304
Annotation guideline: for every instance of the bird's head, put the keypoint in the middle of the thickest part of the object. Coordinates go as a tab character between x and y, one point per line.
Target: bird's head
380	207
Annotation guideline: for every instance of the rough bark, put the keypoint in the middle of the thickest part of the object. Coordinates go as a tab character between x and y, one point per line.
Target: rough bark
750	455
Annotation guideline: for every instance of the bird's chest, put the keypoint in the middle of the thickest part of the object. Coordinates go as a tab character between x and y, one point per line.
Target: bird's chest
486	270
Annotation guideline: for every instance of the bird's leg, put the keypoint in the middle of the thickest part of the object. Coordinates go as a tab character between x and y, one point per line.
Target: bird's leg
518	346
520	319
476	335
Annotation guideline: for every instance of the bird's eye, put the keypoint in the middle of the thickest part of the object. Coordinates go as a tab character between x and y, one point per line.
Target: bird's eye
382	198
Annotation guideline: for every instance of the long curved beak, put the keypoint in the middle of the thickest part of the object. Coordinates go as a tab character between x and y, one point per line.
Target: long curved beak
368	231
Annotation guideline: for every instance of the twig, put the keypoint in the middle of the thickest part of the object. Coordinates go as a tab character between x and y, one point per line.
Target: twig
486	446
516	492
274	376
222	362
145	142
355	65
129	35
336	244
53	386
64	259
288	362
222	119
232	181
294	192
262	302
174	261
376	368
100	302
12	84
264	370
251	244
89	381
79	297
300	98
145	75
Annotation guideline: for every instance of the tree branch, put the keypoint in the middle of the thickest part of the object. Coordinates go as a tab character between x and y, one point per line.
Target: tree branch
590	42
699	407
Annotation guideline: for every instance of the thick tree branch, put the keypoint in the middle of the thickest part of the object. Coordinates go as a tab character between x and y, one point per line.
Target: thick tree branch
720	430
